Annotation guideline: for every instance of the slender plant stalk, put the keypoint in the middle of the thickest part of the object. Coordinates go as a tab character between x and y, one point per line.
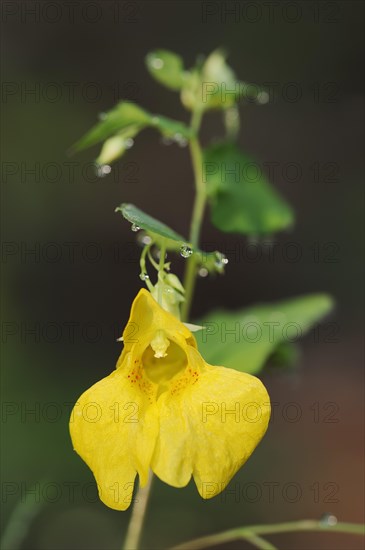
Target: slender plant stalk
253	533
198	213
259	542
136	522
160	270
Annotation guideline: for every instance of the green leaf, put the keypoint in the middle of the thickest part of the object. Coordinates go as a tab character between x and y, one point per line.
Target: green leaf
241	198
244	340
285	356
123	122
167	68
125	114
170	128
148	223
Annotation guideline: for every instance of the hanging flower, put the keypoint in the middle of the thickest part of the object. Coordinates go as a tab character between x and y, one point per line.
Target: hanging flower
165	409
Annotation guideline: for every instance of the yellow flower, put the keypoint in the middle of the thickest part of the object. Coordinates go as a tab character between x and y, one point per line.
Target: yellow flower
165	409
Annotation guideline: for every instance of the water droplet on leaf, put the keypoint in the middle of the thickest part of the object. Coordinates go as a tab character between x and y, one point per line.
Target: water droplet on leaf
186	251
143	239
221	260
157	63
129	143
183	142
143	276
203	272
263	98
135	227
180	140
167	140
103	170
328	520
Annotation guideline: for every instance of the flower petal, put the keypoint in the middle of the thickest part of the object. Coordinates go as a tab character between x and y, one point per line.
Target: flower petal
113	428
210	428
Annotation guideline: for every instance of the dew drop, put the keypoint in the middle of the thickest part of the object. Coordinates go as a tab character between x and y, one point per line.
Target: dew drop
263	98
157	63
103	170
203	272
143	276
328	520
167	141
129	143
221	260
180	140
144	239
135	227
186	251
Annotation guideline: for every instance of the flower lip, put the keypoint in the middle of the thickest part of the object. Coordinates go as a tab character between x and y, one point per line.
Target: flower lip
167	386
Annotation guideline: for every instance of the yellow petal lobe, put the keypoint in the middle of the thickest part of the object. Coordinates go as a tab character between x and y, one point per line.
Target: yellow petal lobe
211	428
113	428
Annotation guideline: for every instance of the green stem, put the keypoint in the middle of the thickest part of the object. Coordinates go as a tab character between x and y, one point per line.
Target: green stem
197	215
259	542
142	263
161	267
150	257
138	515
252	533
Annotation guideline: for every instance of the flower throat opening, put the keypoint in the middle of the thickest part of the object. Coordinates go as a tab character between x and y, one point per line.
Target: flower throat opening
161	369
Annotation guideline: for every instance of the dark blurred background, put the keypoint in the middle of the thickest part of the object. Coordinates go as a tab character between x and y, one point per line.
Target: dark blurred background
70	263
